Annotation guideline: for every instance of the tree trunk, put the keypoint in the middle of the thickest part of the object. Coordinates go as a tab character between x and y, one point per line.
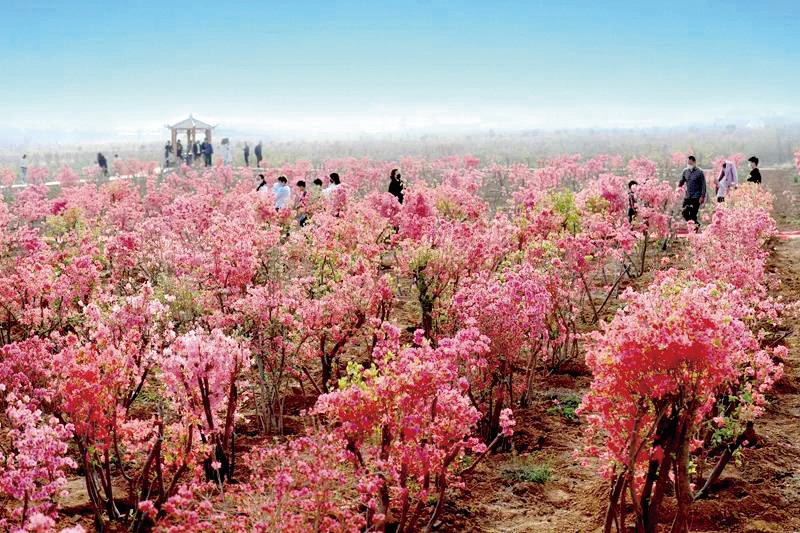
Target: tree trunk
612	514
682	491
749	435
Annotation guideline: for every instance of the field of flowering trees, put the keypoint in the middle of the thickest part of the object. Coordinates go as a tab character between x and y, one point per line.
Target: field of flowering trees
204	363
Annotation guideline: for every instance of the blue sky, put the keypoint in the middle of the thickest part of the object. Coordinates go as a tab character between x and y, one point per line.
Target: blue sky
376	66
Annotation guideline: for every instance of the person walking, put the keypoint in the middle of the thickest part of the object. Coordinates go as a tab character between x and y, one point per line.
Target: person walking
396	185
195	150
755	174
246	155
632	186
258	154
207	150
23	168
727	179
282	192
103	164
167	153
695	182
179	151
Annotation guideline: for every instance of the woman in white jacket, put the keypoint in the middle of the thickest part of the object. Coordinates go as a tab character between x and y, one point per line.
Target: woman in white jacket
727	179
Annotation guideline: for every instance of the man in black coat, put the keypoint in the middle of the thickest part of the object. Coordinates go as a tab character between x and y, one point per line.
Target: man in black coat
695	182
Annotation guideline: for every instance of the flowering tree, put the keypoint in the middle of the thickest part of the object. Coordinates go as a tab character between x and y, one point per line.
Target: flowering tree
201	371
649	398
33	444
680	363
511	309
405	423
33	462
438	249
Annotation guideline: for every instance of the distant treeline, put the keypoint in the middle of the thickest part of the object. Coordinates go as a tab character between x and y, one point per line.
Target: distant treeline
774	142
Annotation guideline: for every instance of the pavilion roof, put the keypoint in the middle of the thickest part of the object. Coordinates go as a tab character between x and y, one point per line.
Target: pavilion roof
190	123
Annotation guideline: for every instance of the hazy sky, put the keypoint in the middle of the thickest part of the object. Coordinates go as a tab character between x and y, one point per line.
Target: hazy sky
379	66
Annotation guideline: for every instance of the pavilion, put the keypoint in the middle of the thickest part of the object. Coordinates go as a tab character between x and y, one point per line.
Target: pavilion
190	126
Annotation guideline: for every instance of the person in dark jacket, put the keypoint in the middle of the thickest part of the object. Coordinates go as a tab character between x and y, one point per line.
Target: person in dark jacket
196	150
257	151
695	182
102	163
755	174
246	155
207	150
396	185
632	185
179	151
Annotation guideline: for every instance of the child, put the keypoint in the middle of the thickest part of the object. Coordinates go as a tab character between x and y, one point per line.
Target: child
755	174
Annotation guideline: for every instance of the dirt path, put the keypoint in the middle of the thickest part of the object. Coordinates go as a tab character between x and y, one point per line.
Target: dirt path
762	494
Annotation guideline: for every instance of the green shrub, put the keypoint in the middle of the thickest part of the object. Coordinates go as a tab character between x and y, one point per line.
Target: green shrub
565	407
527	472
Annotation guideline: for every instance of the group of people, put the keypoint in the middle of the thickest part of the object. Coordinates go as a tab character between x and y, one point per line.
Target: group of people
257	151
206	150
24	164
695	180
183	155
692	176
282	192
303	201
